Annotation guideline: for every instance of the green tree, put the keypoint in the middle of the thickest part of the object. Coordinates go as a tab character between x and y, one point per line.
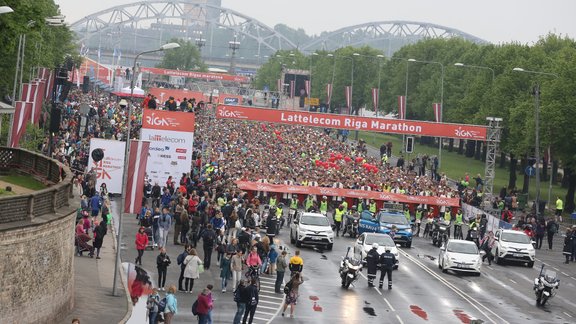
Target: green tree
186	57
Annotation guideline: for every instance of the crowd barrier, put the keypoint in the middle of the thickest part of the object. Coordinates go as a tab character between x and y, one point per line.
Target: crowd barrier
494	222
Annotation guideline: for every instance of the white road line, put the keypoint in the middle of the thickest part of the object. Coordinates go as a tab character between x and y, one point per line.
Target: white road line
267	302
490	267
265	313
270	297
567	314
564	273
573	278
512	281
389	305
378	291
399	319
267	307
555	269
263	319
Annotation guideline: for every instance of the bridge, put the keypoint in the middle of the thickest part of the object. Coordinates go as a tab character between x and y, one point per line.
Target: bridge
132	28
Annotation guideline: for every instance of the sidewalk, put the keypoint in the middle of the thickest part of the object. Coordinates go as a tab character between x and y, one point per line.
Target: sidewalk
93	280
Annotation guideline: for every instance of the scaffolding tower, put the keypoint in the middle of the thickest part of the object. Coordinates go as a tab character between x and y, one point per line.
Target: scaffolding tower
492	142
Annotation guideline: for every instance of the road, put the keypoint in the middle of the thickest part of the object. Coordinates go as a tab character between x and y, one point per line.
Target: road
421	292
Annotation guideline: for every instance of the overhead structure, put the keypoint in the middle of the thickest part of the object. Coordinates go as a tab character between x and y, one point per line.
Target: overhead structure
386	35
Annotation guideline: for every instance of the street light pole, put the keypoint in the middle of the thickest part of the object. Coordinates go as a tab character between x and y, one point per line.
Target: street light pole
333	75
310	92
126	156
477	67
379	68
234	46
536	93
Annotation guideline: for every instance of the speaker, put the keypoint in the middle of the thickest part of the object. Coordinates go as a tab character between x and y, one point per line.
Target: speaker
55	116
97	155
86	84
409	144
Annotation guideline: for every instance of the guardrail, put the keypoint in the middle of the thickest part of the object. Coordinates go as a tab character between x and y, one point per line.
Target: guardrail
25	207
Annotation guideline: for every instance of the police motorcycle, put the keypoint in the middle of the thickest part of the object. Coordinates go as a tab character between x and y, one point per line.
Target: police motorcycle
349	269
352	222
440	232
545	286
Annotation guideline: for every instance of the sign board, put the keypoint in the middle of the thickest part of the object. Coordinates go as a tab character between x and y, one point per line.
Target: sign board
409	144
312	101
530	171
231	100
171	136
110	169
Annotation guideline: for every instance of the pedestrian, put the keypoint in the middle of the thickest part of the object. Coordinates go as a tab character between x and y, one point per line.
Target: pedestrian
204	307
99	233
292	294
152	306
486	245
208	237
281	265
540	231
372	259
225	271
296	263
178	209
221	243
559	209
193	269
162	263
567	250
236	263
141	243
251	302
185	226
387	262
171	308
272	257
573	257
180	261
164	224
271	224
240	297
551	229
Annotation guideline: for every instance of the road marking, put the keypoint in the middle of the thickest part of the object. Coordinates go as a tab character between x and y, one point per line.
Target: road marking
263	319
265	313
573	278
489	267
271	297
378	291
267	307
513	281
555	269
567	314
564	273
399	319
389	305
269	302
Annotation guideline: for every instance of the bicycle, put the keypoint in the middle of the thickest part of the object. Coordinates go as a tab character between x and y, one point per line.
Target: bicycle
253	273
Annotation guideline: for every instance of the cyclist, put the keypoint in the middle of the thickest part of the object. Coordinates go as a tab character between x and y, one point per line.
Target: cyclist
253	262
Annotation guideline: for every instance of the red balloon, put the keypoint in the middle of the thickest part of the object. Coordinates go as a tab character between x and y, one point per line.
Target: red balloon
332	159
339	156
332	154
375	170
277	132
325	166
359	159
347	159
279	137
317	162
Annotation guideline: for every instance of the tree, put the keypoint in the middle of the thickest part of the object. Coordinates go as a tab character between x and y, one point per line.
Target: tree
186	57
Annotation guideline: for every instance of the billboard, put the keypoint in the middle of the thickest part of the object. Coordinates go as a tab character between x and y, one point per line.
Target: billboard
171	136
110	169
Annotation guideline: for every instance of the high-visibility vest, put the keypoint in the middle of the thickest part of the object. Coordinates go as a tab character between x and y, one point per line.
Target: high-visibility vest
559	204
345	205
324	205
272	202
372	207
294	203
338	215
418	214
459	219
447	216
308	203
407	214
279	212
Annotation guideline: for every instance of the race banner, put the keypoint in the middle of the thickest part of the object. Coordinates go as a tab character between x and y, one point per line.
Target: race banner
351	193
292	88
401	107
437	112
110	169
307	87
136	174
348	94
38	100
171	136
22	111
375	99
328	93
196	75
393	126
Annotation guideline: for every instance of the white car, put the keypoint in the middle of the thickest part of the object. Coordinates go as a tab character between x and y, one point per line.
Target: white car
364	244
311	229
461	256
513	246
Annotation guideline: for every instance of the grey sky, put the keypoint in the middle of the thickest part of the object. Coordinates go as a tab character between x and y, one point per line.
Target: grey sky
496	21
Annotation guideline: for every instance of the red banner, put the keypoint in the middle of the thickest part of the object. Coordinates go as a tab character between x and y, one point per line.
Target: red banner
375	99
22	111
348	94
328	93
393	126
38	101
401	107
197	75
136	175
351	193
307	87
437	112
168	120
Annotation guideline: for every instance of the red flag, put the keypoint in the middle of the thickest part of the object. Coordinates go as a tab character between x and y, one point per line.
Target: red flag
328	93
307	87
375	98
279	85
292	89
38	101
402	107
22	112
26	92
136	173
437	112
49	85
348	93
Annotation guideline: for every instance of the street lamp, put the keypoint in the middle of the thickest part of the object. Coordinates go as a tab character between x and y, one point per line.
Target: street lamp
441	100
476	67
127	154
310	92
379	68
200	42
5	9
234	46
536	93
333	75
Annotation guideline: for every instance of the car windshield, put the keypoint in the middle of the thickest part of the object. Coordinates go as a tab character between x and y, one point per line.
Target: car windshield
314	220
515	238
397	219
382	240
462	248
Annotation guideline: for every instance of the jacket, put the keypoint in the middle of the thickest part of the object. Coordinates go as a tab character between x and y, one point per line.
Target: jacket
273	255
171	304
225	267
163	261
567	250
204	304
236	263
253	259
141	241
281	264
192	263
271	225
165	221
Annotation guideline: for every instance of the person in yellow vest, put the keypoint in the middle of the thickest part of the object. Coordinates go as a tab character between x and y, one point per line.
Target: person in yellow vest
272	201
324	206
418	220
294	202
345	205
448	218
309	202
407	213
559	209
338	214
372	206
279	214
459	220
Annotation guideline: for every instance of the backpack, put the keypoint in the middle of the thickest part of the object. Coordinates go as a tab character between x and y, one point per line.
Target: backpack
195	307
162	305
181	257
288	287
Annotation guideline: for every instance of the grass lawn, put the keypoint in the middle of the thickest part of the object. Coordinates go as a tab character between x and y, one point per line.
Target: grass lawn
456	165
5	193
25	181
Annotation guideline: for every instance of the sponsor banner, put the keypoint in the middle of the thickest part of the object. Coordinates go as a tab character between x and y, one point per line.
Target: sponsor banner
312	101
394	126
231	100
196	75
168	120
437	112
136	175
22	111
162	94
351	193
401	107
110	169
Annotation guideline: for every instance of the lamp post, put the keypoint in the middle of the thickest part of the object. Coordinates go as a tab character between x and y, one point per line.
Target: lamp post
536	93
380	56
441	100
310	92
234	46
476	67
333	75
126	155
200	42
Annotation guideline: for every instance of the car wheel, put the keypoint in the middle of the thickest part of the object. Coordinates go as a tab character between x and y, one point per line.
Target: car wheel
497	259
444	270
329	246
292	240
531	264
409	244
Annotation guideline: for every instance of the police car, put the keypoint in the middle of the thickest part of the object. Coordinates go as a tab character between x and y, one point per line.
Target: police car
390	216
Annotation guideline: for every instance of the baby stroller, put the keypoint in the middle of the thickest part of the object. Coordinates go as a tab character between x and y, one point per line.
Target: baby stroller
81	244
147	223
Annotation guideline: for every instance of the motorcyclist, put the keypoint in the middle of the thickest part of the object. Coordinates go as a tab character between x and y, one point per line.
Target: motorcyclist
309	202
473	226
458	222
279	216
372	259
351	216
387	261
